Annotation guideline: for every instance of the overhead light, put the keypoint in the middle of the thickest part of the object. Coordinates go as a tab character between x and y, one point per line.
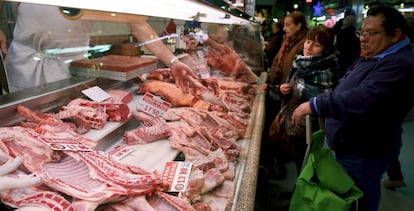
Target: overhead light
176	9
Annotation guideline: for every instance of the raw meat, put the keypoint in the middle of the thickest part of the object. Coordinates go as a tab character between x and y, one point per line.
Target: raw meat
168	91
119	96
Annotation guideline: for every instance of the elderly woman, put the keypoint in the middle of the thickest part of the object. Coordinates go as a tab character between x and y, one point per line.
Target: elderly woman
295	28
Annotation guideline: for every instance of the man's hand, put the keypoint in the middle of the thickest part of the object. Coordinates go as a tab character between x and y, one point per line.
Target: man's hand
300	112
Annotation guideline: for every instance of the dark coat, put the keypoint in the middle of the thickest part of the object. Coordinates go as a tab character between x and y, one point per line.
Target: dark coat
273	47
365	112
348	47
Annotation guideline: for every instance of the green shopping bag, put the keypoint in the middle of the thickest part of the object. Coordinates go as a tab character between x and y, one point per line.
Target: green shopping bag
323	184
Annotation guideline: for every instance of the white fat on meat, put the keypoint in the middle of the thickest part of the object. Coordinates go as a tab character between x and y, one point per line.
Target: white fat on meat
12	179
165	201
34	197
213	178
138	203
22	142
195	183
95	176
10	165
153	129
28	208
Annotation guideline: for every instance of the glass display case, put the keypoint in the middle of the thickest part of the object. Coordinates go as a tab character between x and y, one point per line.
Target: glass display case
113	58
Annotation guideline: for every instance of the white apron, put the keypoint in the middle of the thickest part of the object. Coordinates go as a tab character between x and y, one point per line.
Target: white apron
38	28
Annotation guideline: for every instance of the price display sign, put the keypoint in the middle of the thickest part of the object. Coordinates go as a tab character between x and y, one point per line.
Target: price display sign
202	67
203	70
119	152
177	175
62	143
153	105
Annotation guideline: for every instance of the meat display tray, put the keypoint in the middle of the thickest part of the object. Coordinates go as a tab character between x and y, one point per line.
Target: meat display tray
116	67
150	156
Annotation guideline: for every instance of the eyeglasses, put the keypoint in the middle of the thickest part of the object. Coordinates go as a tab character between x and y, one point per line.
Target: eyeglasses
368	34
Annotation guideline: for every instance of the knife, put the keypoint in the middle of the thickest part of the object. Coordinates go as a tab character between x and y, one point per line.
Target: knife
3	75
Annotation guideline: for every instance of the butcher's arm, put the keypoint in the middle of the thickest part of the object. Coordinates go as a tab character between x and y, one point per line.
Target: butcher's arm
181	72
143	31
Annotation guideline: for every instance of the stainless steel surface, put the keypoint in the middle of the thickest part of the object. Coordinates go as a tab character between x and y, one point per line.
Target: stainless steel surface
49	97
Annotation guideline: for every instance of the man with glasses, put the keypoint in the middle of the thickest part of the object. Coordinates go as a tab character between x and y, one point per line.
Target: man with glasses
365	112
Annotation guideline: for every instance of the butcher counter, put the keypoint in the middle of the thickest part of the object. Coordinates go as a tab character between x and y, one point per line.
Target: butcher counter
151	156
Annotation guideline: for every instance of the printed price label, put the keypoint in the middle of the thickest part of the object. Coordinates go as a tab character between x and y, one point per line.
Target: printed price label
119	152
62	143
177	175
153	105
203	70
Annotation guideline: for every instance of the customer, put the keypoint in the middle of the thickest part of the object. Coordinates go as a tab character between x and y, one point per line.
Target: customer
347	44
273	45
41	27
338	25
312	73
295	28
365	112
395	176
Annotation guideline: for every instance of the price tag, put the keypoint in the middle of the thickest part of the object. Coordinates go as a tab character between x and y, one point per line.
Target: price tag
64	144
177	175
119	152
153	105
96	94
203	70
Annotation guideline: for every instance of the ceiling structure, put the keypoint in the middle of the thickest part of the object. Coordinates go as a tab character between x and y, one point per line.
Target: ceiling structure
279	8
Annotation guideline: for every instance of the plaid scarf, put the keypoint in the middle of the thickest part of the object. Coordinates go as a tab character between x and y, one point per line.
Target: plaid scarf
314	74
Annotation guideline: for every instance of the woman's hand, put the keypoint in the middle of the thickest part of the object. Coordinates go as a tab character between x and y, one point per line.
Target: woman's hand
285	88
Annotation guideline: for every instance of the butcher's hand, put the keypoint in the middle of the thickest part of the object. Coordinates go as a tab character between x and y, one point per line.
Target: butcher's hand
3	43
300	112
182	74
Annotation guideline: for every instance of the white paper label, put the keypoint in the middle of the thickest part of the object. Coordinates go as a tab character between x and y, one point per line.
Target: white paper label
119	152
153	105
177	175
96	94
203	70
63	144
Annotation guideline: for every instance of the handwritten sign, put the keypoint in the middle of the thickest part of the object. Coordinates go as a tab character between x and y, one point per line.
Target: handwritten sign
177	175
153	105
